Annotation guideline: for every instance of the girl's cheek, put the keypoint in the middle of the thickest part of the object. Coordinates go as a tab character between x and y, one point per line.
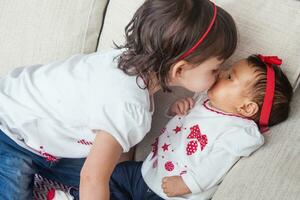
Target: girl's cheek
211	80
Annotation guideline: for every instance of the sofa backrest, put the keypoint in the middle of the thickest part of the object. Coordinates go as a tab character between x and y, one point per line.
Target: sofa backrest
40	31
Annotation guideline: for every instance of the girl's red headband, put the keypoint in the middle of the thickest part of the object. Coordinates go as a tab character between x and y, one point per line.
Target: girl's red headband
270	90
191	50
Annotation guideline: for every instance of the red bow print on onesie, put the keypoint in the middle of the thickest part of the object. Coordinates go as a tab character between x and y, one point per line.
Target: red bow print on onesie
192	146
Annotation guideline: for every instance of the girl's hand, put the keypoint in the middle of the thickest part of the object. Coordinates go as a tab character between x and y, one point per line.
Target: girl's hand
98	167
174	186
181	106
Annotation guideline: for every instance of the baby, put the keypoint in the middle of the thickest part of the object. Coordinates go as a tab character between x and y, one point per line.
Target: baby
208	134
195	151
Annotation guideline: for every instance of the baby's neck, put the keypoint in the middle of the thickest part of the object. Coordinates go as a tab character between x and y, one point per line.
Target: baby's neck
222	109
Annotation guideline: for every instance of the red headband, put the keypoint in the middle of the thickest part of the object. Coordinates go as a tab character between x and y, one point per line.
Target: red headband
270	90
191	50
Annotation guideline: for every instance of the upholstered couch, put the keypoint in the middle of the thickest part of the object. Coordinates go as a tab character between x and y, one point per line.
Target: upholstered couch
40	31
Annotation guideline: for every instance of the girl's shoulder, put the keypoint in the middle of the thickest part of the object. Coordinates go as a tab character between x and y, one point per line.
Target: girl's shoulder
104	57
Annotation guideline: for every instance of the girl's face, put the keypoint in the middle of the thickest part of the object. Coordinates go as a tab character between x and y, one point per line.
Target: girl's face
201	77
230	90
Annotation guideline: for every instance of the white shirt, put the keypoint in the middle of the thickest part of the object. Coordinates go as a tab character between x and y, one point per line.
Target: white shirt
53	109
201	147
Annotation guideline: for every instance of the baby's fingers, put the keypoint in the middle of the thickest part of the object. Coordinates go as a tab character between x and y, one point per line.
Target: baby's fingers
191	102
181	108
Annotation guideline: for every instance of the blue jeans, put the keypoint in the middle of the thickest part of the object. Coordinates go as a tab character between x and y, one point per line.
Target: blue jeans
127	183
18	166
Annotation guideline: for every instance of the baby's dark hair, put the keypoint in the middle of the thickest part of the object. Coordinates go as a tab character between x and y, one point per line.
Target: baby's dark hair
162	30
283	91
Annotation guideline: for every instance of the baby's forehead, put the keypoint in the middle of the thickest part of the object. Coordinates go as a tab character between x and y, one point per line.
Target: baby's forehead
241	62
244	70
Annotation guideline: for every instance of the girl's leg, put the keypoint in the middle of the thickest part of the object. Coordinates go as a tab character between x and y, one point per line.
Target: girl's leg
16	173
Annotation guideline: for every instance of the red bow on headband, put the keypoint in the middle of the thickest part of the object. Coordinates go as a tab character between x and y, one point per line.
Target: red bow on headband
270	90
270	60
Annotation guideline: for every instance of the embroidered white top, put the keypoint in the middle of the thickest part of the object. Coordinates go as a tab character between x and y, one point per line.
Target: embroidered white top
201	147
53	109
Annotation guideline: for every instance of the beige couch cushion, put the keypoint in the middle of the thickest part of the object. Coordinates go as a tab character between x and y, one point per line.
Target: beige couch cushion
118	15
269	27
39	31
271	173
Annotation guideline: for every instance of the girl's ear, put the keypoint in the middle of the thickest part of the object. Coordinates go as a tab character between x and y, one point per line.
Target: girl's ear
178	68
248	109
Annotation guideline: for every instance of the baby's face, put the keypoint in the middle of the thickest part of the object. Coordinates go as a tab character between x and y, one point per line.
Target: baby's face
232	87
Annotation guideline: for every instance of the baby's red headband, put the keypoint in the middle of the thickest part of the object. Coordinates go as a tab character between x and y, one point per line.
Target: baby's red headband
270	90
191	50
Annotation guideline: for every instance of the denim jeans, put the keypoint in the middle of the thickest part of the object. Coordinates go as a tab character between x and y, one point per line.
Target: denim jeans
127	183
18	166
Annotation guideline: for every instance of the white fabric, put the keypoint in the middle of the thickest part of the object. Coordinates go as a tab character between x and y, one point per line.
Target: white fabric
52	109
202	160
42	31
61	195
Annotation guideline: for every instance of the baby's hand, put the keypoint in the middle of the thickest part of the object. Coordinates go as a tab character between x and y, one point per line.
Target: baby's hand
174	186
181	106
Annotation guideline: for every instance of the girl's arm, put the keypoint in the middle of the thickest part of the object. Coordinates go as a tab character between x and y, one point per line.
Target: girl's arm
98	167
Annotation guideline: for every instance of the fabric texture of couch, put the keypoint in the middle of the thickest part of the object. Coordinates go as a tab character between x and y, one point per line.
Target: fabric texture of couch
40	31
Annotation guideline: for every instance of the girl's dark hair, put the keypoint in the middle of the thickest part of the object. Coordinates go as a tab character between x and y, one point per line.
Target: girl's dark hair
283	91
162	30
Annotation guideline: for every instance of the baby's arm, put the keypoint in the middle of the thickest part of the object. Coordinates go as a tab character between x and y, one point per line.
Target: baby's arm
98	167
174	186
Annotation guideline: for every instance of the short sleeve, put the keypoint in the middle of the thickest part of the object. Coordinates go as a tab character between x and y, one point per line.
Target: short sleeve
127	123
242	141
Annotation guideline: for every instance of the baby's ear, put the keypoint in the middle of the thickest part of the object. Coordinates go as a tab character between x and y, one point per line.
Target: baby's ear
248	109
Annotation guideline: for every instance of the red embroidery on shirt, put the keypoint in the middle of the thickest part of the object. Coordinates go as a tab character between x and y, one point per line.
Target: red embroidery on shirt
205	104
84	142
165	147
193	145
169	166
49	157
182	172
162	131
154	148
46	155
177	129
